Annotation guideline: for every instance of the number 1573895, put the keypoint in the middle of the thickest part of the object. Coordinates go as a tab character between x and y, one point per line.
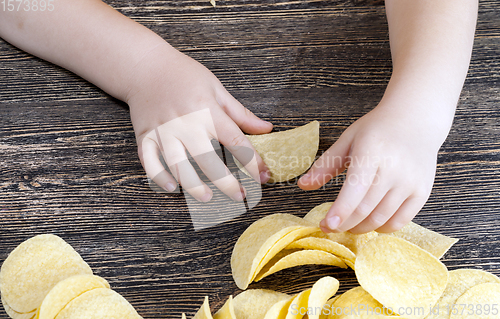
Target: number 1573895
27	5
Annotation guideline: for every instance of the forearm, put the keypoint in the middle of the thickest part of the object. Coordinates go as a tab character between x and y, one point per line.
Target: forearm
431	44
86	37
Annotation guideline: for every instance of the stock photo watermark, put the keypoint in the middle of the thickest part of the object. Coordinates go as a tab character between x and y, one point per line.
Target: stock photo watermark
365	310
27	5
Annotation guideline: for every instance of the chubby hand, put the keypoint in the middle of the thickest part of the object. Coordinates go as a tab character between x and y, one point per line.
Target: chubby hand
178	106
390	156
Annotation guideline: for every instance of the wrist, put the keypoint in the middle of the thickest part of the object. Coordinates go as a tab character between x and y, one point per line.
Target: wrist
416	107
147	72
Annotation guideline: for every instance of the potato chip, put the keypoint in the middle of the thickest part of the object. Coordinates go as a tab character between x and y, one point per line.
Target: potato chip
99	303
479	302
261	241
67	290
279	309
34	267
183	316
426	239
16	315
254	303
327	307
324	245
226	311
204	311
401	275
459	282
357	303
321	291
291	258
318	213
287	154
352	241
298	306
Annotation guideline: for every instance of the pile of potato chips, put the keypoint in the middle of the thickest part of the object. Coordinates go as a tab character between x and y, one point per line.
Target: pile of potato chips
281	241
45	278
399	274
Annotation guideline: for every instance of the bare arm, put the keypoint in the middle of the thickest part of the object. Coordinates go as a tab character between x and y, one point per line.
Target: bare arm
86	37
392	150
160	84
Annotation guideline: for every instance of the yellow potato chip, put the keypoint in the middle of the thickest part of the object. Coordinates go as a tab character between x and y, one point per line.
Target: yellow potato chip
325	245
183	316
261	241
287	154
327	307
204	311
352	241
254	303
226	311
34	268
357	303
479	302
67	290
318	213
401	275
426	239
292	258
99	303
298	306
459	282
321	291
16	315
279	309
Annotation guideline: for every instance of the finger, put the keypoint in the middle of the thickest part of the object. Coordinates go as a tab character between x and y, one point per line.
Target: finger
236	142
375	195
404	214
149	153
359	178
243	117
180	167
382	213
329	165
213	167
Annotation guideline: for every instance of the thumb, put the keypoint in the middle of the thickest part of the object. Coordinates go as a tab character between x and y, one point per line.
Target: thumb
330	164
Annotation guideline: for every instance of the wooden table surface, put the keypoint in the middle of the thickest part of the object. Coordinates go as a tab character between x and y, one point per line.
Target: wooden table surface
69	164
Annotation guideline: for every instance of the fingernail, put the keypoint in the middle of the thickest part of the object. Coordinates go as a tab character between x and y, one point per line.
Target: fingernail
207	197
264	176
333	222
238	196
170	187
324	227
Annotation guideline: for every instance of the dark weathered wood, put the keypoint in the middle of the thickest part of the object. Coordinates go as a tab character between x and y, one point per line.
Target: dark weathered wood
69	165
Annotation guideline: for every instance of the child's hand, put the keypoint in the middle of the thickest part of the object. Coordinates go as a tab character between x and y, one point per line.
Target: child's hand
176	104
391	158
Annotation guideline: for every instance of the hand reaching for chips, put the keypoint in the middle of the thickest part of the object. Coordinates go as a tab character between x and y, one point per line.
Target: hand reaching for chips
390	172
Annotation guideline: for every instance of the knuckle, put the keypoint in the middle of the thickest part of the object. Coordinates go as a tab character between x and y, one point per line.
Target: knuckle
363	210
345	209
238	140
393	225
175	159
377	220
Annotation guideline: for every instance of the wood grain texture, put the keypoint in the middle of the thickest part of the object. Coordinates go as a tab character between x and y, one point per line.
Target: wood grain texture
69	165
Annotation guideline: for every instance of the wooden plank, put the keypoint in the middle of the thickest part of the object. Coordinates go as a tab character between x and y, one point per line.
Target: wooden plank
69	165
